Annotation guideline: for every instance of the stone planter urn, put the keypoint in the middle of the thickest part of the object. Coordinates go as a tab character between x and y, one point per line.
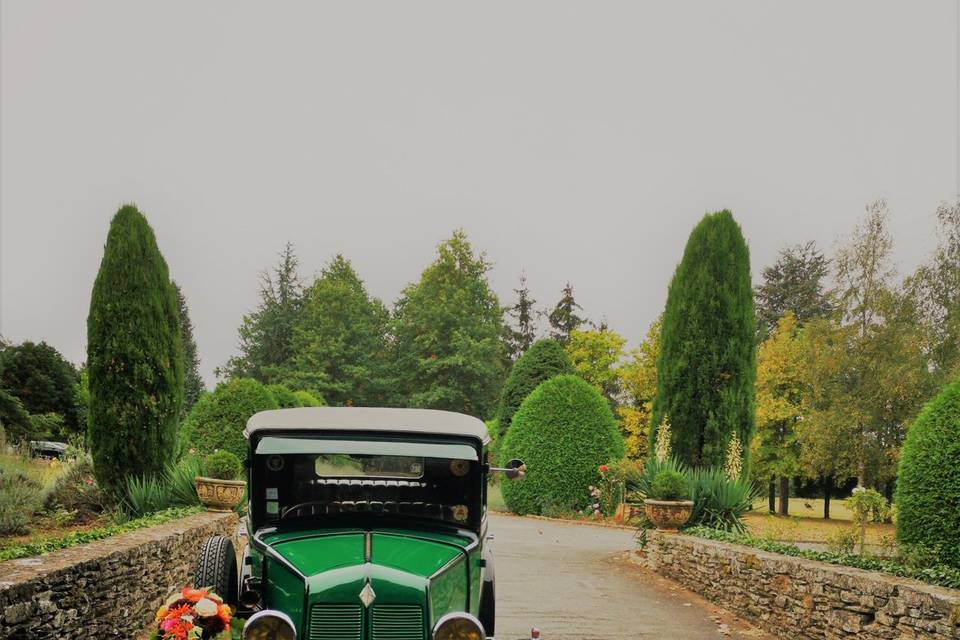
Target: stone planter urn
668	515
219	495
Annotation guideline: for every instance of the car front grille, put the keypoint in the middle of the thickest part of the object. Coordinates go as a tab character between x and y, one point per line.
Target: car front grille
336	622
396	622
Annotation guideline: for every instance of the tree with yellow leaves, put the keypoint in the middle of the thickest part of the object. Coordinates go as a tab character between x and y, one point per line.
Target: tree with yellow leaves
639	376
782	393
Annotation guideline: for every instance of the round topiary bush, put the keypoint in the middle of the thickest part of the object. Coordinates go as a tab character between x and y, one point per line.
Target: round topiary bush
669	484
928	483
563	432
222	465
543	360
218	418
286	399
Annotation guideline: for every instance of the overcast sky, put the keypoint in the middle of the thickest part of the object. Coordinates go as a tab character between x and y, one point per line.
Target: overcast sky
576	141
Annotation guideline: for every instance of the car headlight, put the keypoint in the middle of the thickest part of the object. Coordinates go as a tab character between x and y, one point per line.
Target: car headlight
458	626
269	625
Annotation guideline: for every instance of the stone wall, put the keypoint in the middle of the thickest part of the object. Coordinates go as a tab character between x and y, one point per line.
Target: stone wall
105	589
799	598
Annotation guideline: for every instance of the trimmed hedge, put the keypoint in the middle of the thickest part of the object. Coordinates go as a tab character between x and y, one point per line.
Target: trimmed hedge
218	418
563	431
928	484
545	359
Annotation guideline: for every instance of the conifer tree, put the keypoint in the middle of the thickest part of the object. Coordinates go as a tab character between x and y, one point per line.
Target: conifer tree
192	382
134	356
707	363
563	318
523	314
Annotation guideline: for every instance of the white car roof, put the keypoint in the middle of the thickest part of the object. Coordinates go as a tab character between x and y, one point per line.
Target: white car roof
426	421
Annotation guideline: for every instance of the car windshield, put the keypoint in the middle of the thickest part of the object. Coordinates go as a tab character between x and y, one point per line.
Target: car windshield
319	485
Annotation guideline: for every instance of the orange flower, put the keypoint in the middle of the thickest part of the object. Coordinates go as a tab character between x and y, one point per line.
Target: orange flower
193	594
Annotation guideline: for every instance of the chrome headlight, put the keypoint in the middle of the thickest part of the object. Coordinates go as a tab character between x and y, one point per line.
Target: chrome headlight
458	626
269	625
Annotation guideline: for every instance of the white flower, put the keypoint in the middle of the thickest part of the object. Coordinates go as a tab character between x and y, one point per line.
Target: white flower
205	607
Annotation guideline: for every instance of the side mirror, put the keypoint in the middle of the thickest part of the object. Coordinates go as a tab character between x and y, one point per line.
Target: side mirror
514	469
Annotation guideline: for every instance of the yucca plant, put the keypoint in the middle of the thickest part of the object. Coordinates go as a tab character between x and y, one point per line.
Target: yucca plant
179	477
146	495
719	502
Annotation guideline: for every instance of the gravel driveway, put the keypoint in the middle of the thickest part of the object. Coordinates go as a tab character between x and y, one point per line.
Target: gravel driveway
575	582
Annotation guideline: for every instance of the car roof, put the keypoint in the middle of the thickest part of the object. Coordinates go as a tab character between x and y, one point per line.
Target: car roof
421	421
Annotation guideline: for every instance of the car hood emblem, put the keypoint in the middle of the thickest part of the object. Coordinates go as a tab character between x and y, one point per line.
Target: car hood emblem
367	595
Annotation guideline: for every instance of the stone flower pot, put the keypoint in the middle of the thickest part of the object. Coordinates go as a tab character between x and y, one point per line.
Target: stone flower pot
668	515
220	495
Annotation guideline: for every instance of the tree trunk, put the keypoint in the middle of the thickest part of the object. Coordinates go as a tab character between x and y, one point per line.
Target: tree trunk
784	496
827	487
772	495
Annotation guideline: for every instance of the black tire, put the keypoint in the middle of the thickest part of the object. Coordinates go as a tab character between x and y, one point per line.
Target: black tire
217	569
488	607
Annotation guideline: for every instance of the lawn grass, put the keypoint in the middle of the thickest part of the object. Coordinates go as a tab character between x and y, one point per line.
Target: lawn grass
495	498
807	524
44	472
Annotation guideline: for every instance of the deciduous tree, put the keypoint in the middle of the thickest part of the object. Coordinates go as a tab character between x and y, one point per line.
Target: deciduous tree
43	380
639	375
596	357
448	329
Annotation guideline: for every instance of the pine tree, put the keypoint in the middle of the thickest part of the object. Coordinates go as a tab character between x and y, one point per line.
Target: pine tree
134	356
564	319
267	333
795	284
192	382
340	341
523	314
707	363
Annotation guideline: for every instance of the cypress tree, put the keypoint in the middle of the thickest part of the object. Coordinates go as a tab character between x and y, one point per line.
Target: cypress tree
707	363
542	361
134	356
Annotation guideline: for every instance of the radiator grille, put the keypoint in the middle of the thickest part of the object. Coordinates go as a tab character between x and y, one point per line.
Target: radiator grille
397	622
336	622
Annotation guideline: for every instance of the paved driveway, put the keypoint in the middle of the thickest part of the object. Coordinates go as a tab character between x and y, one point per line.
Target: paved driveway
574	583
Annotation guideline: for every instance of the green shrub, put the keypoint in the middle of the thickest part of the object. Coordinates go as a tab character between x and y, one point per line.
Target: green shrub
669	485
217	421
643	483
76	490
134	356
284	397
20	499
928	484
307	399
545	359
563	431
719	502
222	465
707	363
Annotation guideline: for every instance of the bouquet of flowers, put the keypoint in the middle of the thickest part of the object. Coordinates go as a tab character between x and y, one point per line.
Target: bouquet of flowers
192	614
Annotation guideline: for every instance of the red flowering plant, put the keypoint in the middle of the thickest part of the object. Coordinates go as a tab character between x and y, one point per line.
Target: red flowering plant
606	496
193	614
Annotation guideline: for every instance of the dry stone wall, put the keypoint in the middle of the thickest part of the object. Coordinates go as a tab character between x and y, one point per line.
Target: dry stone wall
800	598
105	589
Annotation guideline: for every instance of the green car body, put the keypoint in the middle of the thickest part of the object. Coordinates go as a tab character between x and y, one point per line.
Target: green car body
367	524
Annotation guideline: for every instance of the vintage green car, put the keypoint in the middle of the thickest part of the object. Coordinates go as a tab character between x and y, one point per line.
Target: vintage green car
362	524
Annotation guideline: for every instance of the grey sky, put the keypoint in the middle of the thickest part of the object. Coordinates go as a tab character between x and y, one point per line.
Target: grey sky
573	140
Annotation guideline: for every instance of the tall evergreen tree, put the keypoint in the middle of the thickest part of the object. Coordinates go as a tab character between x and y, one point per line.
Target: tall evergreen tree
542	361
340	343
134	356
448	330
795	284
43	380
267	333
524	316
563	318
707	363
192	382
